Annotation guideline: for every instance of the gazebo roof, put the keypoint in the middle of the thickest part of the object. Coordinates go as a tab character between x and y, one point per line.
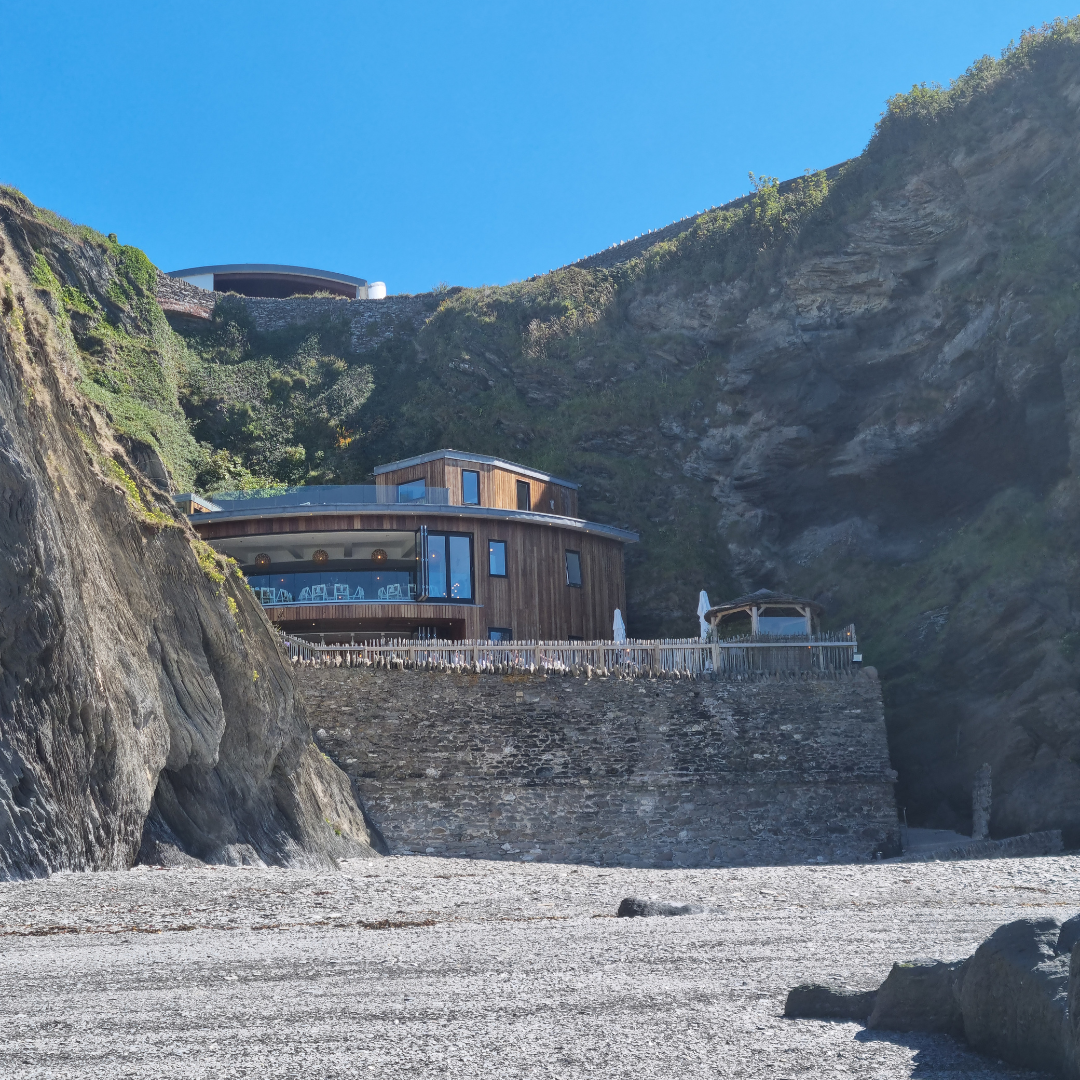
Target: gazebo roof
762	596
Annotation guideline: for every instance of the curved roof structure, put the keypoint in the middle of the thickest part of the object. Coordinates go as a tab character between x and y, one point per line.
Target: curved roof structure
272	280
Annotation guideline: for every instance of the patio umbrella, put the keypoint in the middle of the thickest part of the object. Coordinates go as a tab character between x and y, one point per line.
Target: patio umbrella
618	629
703	605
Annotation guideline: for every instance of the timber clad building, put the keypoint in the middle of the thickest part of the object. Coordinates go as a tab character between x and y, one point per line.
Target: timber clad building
447	544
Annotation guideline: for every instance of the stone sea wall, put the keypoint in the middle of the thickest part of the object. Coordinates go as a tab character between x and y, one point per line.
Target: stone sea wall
607	771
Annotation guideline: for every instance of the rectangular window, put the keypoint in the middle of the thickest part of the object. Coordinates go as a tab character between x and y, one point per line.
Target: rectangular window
500	633
523	496
573	569
497	558
470	487
449	567
412	491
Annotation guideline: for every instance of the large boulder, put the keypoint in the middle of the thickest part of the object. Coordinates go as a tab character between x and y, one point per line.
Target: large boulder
1013	995
1069	935
921	995
814	1001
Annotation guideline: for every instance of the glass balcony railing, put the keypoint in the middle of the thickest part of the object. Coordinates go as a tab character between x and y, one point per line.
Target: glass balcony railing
335	587
329	495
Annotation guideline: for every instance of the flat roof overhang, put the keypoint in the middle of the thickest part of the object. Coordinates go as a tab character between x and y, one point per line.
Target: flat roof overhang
274	280
610	532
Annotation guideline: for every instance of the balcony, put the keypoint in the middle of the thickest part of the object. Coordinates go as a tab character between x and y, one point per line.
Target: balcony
335	587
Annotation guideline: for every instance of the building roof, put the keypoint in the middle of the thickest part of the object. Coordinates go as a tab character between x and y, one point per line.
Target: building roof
268	269
419	510
762	596
481	459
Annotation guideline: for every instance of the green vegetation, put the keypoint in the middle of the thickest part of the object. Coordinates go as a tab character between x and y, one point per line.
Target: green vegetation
279	408
150	515
210	562
928	101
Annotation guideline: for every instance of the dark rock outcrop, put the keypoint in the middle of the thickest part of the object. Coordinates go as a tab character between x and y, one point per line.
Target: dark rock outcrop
1013	995
647	907
1068	936
1017	998
813	1001
920	995
144	700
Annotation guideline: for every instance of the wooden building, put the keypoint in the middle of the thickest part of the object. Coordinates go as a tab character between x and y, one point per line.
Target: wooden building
446	544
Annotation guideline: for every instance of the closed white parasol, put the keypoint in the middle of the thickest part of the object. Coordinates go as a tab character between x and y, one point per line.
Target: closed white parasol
618	628
703	605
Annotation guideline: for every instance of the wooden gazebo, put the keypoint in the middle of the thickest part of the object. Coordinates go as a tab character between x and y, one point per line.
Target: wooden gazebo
765	613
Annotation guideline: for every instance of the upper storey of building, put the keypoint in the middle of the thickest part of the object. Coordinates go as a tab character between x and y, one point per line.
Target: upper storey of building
443	483
479	480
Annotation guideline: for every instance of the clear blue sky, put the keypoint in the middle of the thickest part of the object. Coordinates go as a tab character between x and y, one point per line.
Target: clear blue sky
468	143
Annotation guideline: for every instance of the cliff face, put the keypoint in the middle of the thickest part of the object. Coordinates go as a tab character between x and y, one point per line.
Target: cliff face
143	700
863	386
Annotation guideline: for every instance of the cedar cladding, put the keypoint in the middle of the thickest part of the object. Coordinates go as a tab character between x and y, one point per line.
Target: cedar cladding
533	600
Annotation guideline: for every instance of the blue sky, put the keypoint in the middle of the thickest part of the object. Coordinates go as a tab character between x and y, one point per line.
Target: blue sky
470	143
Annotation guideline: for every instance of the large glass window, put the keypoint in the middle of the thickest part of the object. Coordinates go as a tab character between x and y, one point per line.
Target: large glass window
500	633
470	487
412	491
436	565
449	566
497	558
573	569
524	498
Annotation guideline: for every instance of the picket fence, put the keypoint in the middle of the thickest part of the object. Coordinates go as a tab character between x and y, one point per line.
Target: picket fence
822	654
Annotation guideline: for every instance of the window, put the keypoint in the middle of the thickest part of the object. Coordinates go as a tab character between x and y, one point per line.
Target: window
573	569
497	558
470	487
412	491
523	496
449	566
500	633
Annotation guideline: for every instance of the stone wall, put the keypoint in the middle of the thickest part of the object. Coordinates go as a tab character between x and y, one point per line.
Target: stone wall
627	772
370	321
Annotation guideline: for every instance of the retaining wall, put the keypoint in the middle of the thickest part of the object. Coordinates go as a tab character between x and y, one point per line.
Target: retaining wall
370	321
612	771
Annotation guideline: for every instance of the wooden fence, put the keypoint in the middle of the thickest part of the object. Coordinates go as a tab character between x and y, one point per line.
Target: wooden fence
832	653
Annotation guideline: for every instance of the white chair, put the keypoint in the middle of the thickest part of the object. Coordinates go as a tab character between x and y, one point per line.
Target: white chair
284	596
318	592
341	592
359	594
382	594
305	594
393	592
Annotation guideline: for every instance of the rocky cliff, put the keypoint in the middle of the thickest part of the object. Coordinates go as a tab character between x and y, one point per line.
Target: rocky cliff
144	704
862	385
